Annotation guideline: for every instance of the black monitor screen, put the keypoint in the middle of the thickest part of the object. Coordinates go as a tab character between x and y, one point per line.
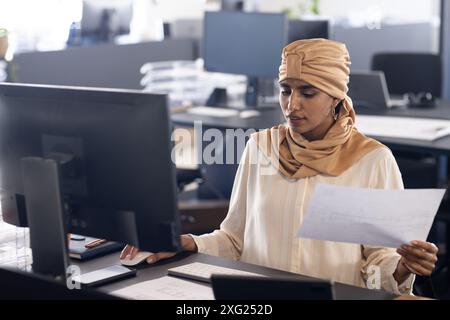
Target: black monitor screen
120	181
307	29
232	5
244	42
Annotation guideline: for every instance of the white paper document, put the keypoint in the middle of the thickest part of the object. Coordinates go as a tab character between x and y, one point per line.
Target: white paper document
402	127
370	216
166	288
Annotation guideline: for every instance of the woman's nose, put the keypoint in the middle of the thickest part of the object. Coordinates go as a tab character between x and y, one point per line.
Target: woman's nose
294	102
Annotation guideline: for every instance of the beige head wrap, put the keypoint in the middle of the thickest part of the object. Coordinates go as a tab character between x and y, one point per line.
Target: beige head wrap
323	64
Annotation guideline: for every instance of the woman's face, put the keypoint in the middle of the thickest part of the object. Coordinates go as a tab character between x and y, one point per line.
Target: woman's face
306	108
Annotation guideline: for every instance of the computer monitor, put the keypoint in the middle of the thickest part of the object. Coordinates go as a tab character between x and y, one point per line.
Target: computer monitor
232	5
247	43
103	20
307	29
101	158
238	287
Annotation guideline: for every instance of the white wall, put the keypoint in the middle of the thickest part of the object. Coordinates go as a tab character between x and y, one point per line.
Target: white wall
181	9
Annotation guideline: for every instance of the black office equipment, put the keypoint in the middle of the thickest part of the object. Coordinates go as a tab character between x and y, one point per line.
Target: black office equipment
247	43
167	30
218	97
307	29
410	72
97	161
233	287
421	100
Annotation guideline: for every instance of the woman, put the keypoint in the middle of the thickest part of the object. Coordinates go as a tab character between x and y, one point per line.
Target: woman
318	144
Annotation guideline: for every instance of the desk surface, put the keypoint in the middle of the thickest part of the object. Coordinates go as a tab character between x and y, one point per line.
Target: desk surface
149	272
273	116
268	118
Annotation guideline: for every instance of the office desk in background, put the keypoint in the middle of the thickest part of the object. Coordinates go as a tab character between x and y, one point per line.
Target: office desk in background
151	272
268	117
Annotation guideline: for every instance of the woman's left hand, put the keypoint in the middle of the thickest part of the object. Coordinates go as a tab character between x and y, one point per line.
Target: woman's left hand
418	257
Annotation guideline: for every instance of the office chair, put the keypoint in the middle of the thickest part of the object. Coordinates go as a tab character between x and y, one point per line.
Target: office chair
410	72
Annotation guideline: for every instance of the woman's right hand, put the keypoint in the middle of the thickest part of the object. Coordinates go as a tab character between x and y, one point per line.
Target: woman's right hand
187	244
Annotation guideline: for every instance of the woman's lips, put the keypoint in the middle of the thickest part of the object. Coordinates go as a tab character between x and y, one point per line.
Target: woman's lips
296	120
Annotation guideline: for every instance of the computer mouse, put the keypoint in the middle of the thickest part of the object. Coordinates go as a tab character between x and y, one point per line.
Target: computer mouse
138	259
249	114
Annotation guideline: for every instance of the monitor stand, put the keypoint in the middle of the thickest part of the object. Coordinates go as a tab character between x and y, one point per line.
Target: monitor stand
47	219
259	88
45	214
251	95
218	98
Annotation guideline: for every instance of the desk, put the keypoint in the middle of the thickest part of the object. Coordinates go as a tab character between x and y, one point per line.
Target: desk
268	118
149	272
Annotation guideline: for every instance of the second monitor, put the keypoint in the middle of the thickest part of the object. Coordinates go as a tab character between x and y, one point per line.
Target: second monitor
245	43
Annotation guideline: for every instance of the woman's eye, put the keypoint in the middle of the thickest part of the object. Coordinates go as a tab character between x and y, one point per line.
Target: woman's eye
308	95
285	92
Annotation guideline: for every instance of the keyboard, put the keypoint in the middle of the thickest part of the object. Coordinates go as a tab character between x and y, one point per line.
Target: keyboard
202	272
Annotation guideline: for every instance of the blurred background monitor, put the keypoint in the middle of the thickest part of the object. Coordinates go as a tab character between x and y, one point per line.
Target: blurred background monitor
232	5
246	43
103	20
307	29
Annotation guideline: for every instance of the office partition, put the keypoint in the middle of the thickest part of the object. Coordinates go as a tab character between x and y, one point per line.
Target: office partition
106	65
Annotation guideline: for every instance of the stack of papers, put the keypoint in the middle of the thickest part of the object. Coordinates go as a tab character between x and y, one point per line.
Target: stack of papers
166	288
401	127
376	217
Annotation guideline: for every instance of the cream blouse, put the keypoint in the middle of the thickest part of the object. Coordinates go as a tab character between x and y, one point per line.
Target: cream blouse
266	210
